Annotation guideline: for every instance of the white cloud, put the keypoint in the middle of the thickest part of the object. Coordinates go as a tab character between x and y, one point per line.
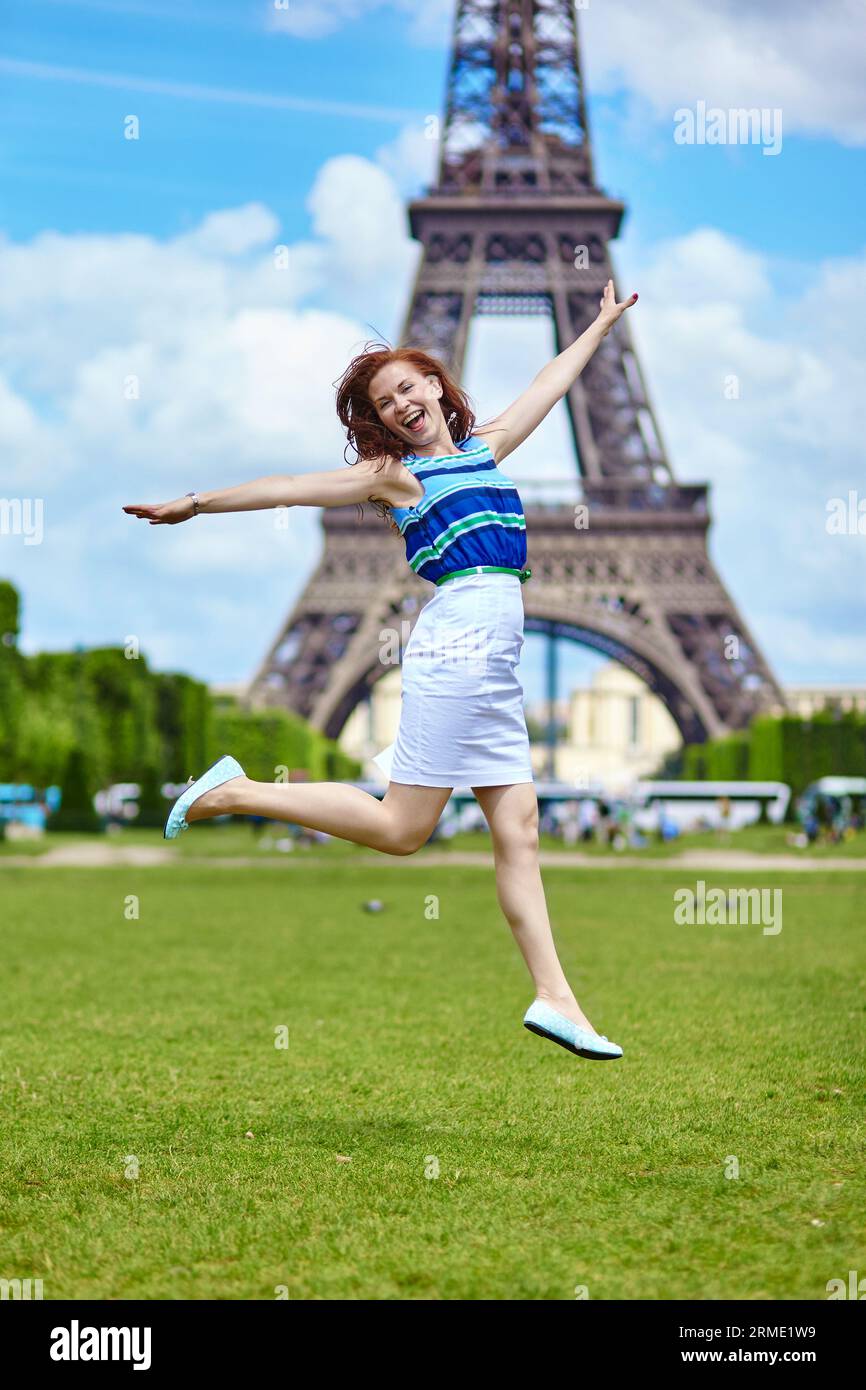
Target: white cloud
31	449
708	311
412	157
430	20
233	374
358	212
206	321
310	19
806	59
232	232
775	455
707	314
235	360
708	267
192	91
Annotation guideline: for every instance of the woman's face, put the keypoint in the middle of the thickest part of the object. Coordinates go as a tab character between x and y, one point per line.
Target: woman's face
407	402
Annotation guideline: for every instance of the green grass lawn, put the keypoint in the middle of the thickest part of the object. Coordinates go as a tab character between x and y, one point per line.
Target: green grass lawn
236	837
147	1047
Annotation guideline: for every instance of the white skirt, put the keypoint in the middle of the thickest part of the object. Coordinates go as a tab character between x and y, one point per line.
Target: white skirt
461	719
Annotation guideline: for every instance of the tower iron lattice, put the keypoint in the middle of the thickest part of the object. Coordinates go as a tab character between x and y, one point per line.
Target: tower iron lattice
517	224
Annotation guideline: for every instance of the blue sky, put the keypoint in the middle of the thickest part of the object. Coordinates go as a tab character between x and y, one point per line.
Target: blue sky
153	257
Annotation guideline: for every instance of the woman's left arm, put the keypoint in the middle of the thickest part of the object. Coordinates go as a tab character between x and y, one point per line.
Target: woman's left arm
516	423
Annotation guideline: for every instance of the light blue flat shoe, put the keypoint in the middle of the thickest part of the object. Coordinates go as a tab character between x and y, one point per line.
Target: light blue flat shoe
222	771
540	1018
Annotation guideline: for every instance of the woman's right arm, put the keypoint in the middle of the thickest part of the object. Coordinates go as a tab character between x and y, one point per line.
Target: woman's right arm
338	488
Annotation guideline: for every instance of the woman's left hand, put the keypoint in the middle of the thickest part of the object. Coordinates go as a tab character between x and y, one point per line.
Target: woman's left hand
609	310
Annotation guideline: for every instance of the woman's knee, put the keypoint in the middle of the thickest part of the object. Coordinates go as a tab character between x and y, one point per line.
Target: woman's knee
519	835
403	839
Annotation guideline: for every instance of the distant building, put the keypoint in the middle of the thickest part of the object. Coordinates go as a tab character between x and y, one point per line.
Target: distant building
617	732
372	725
806	700
234	690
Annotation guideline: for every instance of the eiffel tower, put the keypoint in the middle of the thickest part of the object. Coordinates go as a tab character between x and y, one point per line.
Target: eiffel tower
517	224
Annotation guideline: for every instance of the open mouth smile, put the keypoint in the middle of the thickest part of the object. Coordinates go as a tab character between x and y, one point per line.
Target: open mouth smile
415	422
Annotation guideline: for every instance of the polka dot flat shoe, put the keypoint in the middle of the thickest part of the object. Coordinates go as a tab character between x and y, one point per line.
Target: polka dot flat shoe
222	771
547	1023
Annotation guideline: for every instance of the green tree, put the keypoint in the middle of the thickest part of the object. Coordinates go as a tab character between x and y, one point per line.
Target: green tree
120	691
728	758
76	811
152	805
184	718
11	682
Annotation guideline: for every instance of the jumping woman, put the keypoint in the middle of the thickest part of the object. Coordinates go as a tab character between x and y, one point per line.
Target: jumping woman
437	479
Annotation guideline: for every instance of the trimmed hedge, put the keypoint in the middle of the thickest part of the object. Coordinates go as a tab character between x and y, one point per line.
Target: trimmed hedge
184	716
11	674
264	741
77	811
785	749
90	718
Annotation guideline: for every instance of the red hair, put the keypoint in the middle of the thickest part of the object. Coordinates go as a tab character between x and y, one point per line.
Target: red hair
367	435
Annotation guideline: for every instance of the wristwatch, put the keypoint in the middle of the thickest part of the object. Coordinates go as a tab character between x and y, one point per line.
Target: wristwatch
194	496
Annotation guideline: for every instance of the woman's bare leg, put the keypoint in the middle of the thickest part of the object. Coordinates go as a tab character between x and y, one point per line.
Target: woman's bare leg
512	814
400	823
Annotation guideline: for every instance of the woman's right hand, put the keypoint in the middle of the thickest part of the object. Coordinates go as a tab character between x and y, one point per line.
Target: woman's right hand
163	513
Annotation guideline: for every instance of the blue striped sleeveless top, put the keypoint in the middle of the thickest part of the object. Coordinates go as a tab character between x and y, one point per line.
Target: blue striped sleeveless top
470	514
